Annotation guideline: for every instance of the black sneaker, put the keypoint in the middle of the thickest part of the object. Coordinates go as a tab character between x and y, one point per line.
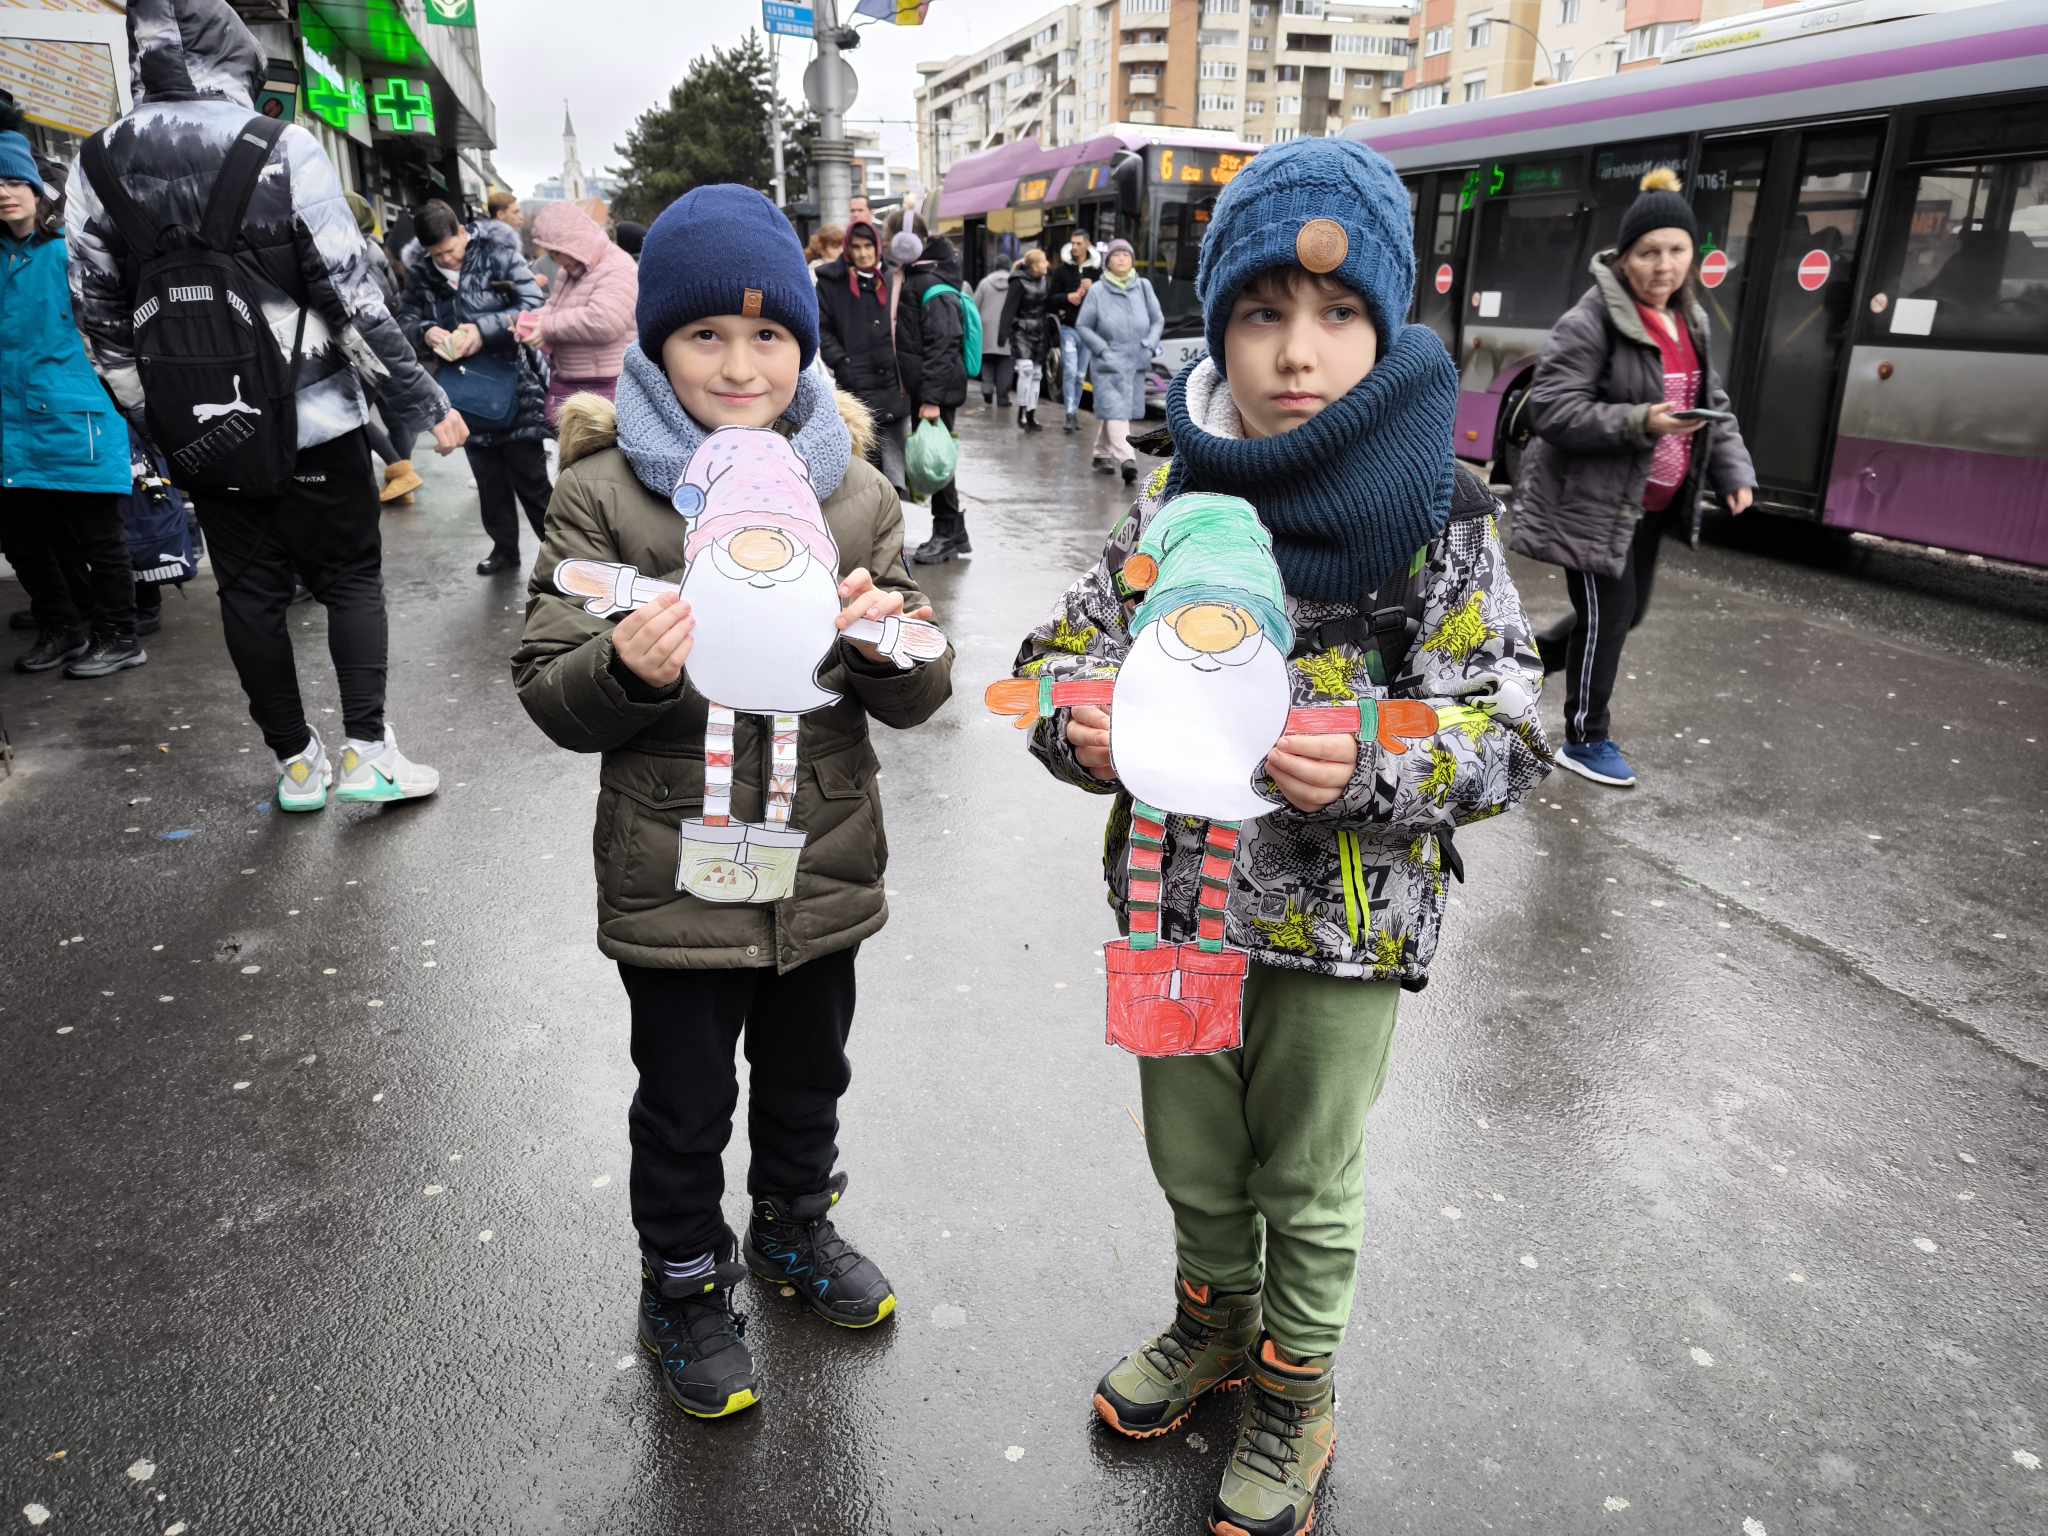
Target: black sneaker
1070	424
936	550
1130	473
149	620
693	1329
53	648
1104	464
21	619
792	1243
106	657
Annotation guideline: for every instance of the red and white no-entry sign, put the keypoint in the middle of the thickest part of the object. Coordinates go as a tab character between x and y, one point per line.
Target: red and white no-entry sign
1443	278
1714	269
1814	268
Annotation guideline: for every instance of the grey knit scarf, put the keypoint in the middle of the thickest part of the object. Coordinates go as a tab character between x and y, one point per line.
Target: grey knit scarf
658	436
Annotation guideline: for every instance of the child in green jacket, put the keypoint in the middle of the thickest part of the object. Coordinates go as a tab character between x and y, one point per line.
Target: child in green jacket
1320	407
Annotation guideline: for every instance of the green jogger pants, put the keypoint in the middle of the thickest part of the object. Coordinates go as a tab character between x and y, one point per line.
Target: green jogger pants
1261	1151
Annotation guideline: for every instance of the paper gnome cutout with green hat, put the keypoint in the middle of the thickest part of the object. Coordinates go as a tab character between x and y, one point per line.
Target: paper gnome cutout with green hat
1196	706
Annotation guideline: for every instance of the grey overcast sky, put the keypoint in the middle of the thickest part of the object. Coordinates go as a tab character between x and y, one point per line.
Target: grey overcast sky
613	59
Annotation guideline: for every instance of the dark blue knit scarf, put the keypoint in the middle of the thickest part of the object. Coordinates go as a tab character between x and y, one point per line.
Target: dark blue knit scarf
1353	492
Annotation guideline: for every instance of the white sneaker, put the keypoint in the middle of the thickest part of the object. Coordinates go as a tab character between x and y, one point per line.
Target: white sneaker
302	781
375	773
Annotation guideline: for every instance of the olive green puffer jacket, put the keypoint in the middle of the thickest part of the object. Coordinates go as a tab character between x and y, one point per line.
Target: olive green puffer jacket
653	773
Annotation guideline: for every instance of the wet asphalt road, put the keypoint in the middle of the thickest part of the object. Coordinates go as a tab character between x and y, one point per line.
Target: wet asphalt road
1706	1192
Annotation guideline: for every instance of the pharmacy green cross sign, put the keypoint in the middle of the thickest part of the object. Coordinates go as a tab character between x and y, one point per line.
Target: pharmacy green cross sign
402	106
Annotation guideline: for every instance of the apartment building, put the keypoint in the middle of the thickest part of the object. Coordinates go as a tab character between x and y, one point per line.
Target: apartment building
1470	50
1019	87
872	172
1263	70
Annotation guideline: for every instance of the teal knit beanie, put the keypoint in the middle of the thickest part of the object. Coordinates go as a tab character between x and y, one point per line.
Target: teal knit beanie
1329	205
1201	548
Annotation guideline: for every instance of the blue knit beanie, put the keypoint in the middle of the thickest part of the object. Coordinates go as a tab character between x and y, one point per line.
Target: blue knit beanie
18	161
724	250
1329	205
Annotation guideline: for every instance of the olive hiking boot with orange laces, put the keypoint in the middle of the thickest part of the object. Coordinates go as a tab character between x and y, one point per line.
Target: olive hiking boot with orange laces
1277	1469
1153	1388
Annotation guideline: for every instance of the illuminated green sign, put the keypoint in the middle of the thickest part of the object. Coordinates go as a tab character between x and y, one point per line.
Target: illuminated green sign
334	92
403	106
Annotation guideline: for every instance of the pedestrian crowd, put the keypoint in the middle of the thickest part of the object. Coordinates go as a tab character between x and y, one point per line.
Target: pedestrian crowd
1380	587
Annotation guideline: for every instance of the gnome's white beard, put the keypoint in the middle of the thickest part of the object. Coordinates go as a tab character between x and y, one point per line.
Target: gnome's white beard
758	648
1188	741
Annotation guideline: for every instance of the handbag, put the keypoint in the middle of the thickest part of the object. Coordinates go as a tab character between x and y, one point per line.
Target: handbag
485	389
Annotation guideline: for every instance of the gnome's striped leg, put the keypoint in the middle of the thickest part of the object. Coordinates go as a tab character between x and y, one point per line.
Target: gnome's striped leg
1217	857
782	772
1147	856
718	728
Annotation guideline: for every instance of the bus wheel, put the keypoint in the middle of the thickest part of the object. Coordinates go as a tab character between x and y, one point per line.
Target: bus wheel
1512	435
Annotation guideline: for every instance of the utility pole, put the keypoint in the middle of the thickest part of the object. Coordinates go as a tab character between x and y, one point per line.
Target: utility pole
775	101
831	154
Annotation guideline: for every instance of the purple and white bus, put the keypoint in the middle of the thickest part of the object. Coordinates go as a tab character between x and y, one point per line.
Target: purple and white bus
1871	181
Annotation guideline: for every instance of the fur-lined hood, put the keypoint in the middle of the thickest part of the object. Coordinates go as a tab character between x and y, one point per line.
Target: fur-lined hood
590	424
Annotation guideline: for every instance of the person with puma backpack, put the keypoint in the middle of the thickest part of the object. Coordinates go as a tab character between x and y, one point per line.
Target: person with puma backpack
196	225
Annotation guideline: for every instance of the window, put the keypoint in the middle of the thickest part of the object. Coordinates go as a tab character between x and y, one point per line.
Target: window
1653	42
1258	45
1219	69
1563	60
1209	39
1045	38
1423	97
1285	135
1147	7
1255	138
1262	13
1287	73
1066	115
1567	12
1255	76
1479	31
1217	103
1435	41
1363	109
1475	90
1255	108
1301	7
1974	267
1287	106
1221	7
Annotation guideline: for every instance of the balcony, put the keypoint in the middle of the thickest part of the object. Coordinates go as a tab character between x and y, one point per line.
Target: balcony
1142	53
1142	85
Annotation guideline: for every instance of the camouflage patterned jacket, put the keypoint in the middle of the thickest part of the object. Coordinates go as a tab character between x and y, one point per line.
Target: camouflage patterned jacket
1358	888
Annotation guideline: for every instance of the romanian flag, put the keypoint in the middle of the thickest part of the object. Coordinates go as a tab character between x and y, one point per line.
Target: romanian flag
904	13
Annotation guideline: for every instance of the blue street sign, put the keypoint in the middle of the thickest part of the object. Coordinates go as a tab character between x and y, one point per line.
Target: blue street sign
789	20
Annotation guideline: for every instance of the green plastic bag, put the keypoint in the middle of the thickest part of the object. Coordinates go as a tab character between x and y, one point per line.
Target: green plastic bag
930	460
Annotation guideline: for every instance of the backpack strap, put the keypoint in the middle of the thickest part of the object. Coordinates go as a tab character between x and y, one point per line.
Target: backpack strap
137	225
221	228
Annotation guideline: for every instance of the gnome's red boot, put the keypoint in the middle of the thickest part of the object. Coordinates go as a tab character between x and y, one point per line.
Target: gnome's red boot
1212	984
1145	1018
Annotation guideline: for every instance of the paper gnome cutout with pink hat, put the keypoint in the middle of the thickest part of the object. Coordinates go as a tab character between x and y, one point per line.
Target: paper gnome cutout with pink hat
762	579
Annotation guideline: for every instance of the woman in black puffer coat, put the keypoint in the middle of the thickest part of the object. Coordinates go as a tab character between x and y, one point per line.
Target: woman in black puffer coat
858	345
460	300
1030	332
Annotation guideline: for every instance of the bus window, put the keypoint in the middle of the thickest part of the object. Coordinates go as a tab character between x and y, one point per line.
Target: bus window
1618	178
1724	199
1806	318
1180	225
1441	247
1973	268
1529	254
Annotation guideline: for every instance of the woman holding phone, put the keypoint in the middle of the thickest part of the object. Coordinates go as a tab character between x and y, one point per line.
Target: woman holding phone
1631	422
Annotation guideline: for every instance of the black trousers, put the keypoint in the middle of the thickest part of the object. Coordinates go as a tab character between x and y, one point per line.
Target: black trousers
390	445
510	476
70	549
686	1025
1604	610
947	519
998	373
324	530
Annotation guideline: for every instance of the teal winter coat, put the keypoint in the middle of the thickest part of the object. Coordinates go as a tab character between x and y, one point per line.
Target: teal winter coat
59	430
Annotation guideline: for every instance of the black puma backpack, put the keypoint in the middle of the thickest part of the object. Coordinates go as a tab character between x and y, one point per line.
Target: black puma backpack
218	391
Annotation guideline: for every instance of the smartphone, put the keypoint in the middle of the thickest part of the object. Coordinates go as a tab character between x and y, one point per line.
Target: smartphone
1701	414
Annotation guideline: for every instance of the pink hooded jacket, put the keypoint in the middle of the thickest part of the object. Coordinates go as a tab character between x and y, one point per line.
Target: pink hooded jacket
587	320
